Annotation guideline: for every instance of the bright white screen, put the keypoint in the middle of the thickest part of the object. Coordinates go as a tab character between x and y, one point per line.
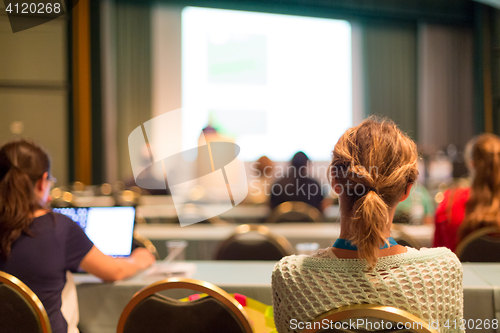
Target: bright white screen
275	84
111	229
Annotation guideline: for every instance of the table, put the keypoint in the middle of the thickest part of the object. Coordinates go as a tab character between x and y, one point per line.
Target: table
102	303
486	296
158	209
203	239
241	213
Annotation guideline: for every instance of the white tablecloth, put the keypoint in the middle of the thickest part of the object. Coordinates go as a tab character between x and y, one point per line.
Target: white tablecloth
489	273
102	303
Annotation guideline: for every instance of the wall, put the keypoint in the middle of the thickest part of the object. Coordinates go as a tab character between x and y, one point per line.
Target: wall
34	88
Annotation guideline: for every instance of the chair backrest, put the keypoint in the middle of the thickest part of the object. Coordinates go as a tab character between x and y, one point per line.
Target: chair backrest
148	311
21	311
393	320
480	246
403	238
266	246
295	211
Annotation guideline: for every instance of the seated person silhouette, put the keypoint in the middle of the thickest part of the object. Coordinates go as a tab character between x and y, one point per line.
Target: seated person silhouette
365	265
296	185
259	185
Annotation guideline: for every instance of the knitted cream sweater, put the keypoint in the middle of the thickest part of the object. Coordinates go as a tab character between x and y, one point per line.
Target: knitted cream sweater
426	283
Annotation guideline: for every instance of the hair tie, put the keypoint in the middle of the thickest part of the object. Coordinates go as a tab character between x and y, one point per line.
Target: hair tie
372	189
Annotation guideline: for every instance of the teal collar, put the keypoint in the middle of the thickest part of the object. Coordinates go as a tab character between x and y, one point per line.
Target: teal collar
347	245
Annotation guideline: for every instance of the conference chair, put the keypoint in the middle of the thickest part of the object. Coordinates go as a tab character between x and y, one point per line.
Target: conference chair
295	211
370	313
482	245
403	238
253	242
149	311
21	311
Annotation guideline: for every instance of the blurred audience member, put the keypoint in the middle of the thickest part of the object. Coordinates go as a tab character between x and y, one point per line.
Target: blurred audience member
418	208
366	265
296	185
39	246
466	209
261	181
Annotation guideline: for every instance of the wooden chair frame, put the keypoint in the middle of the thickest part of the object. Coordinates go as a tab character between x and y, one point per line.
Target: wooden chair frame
31	297
192	284
473	236
279	241
376	311
296	206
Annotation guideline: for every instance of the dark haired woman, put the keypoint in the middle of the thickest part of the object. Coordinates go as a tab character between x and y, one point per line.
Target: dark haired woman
38	246
373	168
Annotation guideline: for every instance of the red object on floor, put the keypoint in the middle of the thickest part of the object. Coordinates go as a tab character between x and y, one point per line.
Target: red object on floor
242	299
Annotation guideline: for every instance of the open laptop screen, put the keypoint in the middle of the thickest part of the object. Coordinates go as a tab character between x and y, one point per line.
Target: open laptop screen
111	229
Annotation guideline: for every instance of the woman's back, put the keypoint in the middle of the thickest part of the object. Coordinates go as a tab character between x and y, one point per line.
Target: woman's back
56	244
38	246
426	283
465	210
374	166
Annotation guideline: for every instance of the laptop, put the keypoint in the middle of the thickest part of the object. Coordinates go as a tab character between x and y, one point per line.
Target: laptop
111	229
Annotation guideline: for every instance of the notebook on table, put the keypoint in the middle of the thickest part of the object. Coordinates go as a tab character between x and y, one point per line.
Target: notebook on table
111	229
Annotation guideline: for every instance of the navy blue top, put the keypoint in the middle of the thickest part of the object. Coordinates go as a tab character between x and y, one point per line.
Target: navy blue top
57	244
296	188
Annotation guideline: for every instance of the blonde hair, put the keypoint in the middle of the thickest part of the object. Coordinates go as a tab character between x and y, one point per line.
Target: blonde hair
375	161
483	206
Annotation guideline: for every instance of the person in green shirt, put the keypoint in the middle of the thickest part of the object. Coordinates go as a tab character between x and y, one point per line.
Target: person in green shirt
418	208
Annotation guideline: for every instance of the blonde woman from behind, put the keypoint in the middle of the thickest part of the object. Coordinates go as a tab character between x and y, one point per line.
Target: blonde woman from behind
373	168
